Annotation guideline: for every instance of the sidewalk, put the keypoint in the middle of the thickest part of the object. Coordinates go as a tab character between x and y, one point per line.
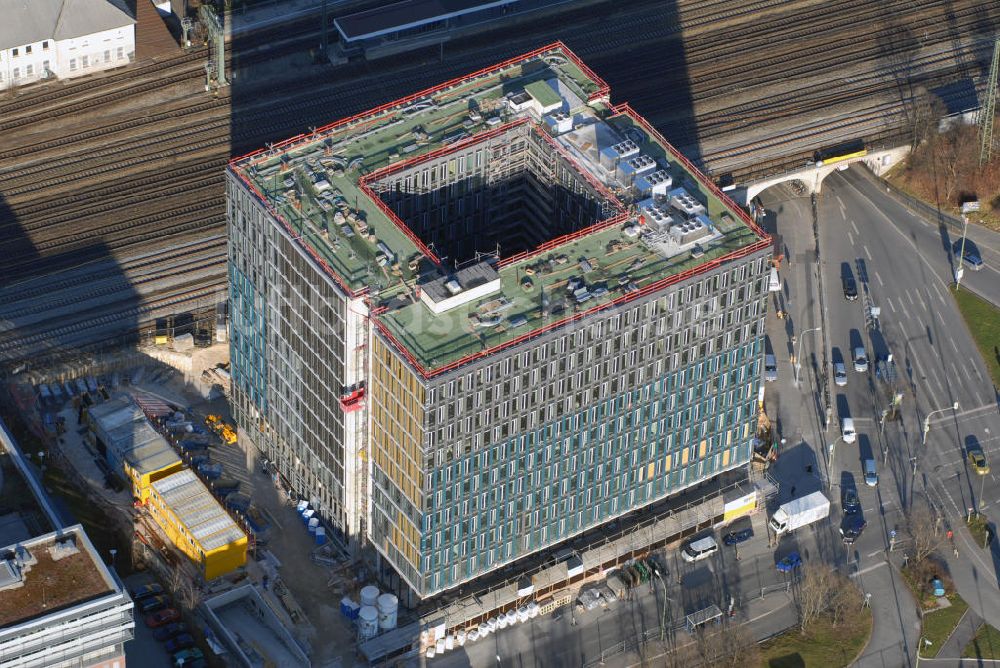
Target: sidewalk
962	635
975	575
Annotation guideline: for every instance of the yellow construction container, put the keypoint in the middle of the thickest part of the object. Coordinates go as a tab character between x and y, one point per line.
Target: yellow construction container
161	340
197	524
228	434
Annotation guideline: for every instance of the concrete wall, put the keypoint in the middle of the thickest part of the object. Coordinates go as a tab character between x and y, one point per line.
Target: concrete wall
67	58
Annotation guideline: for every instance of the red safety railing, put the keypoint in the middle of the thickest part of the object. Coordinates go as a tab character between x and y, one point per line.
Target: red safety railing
428	92
624	109
395	220
591	179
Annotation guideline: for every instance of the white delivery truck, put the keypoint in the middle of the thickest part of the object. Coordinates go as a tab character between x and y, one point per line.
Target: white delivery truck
800	512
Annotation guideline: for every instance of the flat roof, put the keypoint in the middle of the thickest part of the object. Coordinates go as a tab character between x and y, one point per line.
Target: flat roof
195	507
406	14
122	423
320	185
50	585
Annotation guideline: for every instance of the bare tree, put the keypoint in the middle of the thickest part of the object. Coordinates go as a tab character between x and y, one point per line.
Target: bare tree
923	527
819	584
728	646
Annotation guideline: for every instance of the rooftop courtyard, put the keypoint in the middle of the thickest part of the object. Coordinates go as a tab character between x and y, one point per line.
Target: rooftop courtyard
496	206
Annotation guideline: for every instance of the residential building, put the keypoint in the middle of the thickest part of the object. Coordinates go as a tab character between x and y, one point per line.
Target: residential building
63	39
473	323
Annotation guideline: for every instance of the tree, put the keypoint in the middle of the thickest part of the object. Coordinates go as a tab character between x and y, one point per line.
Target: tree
923	526
727	646
818	586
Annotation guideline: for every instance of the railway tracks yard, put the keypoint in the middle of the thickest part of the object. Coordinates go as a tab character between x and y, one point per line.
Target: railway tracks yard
111	189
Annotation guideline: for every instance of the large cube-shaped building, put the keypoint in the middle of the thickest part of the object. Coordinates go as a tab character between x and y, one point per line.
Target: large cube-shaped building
475	322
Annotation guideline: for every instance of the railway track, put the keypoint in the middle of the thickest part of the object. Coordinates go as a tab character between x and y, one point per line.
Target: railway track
722	49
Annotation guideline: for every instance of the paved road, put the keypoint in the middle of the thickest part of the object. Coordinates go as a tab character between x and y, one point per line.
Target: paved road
930	239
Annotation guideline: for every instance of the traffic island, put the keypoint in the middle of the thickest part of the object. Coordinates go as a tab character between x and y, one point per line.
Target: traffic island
986	644
824	644
983	320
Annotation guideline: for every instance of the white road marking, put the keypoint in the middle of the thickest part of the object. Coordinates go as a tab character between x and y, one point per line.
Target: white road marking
879	279
941	319
854	227
850	238
840	204
968	374
938	291
910	297
952	342
867	254
889	302
869	568
937	381
872	554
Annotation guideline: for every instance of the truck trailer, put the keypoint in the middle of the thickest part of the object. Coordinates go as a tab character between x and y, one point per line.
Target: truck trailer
800	512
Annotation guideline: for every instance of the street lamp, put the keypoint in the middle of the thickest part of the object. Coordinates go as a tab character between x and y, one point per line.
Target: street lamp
960	268
666	601
924	642
113	553
927	420
829	467
798	363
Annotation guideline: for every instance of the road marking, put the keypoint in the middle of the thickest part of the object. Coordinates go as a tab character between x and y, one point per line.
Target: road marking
910	297
938	291
937	381
889	302
867	254
952	342
850	237
869	568
853	226
872	554
840	204
967	374
879	279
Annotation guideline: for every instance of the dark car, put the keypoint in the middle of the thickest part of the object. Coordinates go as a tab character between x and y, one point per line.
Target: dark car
850	289
183	641
851	528
738	536
852	504
152	604
162	617
187	657
165	633
142	592
789	563
970	254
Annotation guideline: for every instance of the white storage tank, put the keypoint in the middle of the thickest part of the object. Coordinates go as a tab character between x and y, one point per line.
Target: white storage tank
388	605
439	646
369	595
368	622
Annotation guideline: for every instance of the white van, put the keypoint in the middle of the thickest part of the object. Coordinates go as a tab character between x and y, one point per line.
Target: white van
699	549
847	430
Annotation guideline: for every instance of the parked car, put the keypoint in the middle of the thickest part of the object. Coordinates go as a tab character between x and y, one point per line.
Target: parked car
871	472
162	617
167	632
698	549
978	460
789	563
851	502
860	359
847	430
183	641
152	604
851	528
187	657
770	368
142	592
737	536
850	289
839	374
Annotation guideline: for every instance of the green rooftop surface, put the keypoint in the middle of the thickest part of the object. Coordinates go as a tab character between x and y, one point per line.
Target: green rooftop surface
542	93
341	156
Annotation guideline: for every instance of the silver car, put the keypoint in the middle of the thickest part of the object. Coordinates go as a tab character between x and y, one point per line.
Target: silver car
839	374
860	360
770	368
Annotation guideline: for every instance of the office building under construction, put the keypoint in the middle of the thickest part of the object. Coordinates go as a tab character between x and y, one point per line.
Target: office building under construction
472	323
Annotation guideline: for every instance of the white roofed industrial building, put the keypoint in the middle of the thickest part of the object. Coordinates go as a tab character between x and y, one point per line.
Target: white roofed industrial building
63	38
